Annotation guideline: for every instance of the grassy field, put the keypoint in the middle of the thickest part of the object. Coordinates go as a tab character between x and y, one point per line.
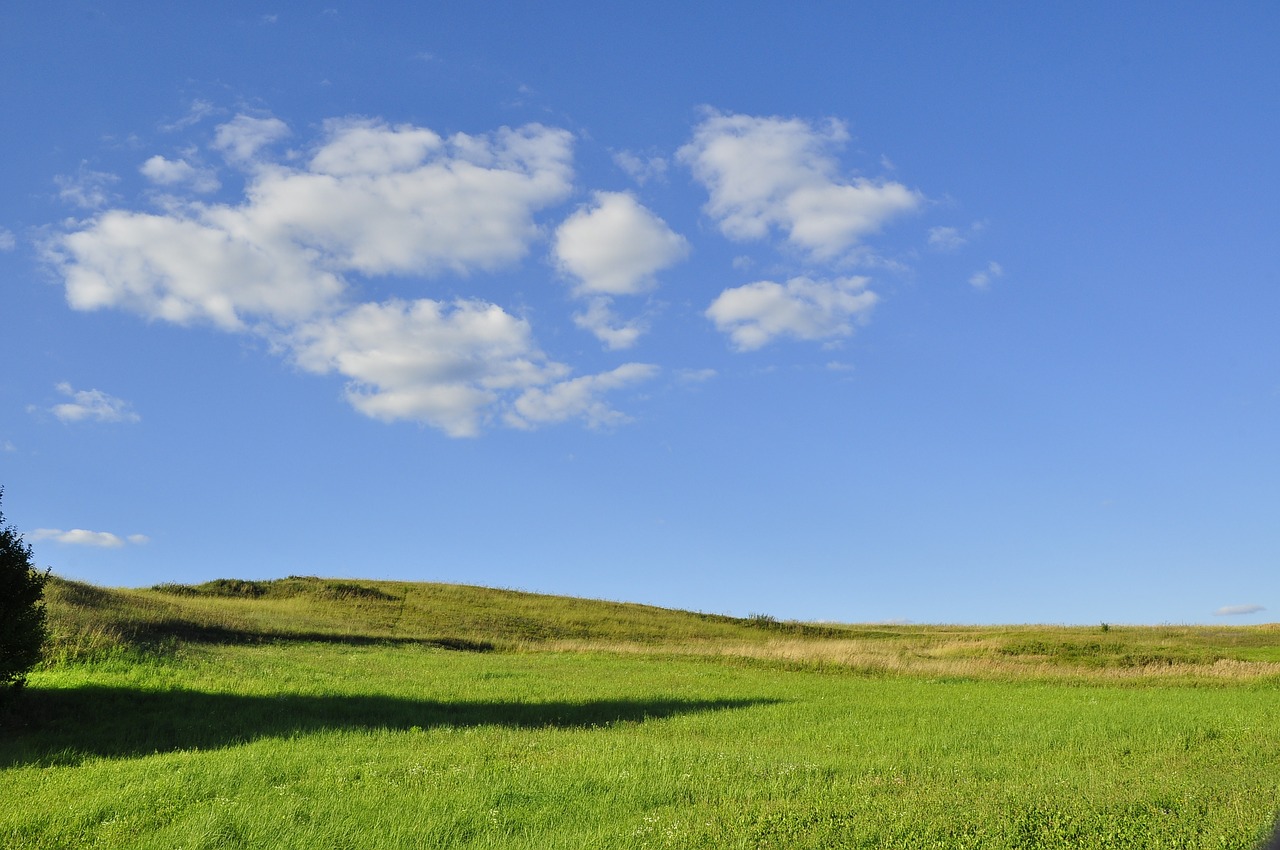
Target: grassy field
323	714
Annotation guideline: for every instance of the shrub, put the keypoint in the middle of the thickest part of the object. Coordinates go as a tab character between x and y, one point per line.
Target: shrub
22	613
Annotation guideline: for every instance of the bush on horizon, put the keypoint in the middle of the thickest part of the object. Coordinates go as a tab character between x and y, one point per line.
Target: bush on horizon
22	612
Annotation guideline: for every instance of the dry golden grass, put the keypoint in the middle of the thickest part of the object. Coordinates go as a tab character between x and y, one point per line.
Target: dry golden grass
965	659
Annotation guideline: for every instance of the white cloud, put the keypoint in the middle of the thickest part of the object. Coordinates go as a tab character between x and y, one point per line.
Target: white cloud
616	246
766	173
92	405
242	137
578	398
362	146
81	537
600	320
7	446
641	169
757	313
179	172
364	205
7	240
87	189
982	278
372	199
1237	610
448	366
465	205
211	264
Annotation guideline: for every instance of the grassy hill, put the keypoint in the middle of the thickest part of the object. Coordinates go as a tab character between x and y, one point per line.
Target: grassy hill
89	622
322	713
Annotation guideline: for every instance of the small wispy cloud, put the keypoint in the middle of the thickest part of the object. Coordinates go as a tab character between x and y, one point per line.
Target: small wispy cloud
640	168
1238	610
92	405
87	189
179	172
982	278
7	240
947	238
84	537
695	376
198	111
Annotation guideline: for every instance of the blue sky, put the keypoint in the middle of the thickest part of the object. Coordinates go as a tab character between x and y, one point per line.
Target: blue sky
854	312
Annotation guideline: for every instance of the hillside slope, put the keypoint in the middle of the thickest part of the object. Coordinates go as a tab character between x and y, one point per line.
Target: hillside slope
86	619
91	623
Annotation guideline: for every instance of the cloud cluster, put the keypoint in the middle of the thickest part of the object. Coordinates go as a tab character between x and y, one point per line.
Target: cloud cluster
92	405
370	200
319	224
82	537
767	173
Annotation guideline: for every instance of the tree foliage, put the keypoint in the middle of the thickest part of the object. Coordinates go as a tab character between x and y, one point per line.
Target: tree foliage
22	612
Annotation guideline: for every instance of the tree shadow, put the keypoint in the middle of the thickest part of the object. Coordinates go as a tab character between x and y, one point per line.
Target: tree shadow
188	632
48	727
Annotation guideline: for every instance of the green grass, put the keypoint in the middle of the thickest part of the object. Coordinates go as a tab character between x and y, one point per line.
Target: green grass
203	720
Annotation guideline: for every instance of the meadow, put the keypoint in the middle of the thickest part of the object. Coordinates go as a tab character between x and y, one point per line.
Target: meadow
315	713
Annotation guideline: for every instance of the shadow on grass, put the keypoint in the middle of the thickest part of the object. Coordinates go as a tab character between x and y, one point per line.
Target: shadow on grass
47	727
189	632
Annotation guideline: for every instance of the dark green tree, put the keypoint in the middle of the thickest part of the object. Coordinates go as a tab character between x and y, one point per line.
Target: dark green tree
22	614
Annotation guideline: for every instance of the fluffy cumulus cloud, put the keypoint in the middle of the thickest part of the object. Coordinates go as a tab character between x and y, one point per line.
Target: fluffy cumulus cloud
203	265
92	406
768	173
374	200
448	365
614	247
578	398
241	138
82	537
758	313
